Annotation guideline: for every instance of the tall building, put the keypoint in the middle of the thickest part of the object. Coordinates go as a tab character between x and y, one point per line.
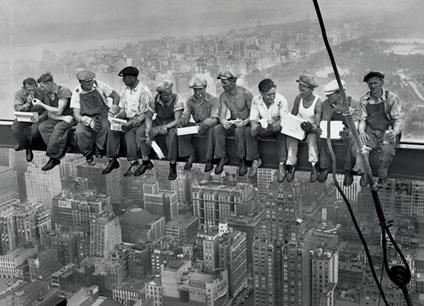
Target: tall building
42	186
210	251
140	226
18	162
109	184
351	191
8	240
232	254
69	164
105	234
8	183
265	177
324	271
184	227
214	202
160	203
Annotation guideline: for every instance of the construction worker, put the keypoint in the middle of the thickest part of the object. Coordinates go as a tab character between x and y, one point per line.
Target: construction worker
205	111
55	129
133	105
266	114
168	108
308	107
333	109
90	106
380	125
237	101
27	132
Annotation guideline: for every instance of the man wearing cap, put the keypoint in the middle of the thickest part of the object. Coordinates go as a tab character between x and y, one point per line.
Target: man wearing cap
27	132
308	107
266	114
205	111
56	128
333	109
90	105
237	101
135	97
168	108
380	125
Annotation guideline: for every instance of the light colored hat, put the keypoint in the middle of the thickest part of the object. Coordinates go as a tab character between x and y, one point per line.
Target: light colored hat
85	75
333	86
164	85
197	82
308	80
226	75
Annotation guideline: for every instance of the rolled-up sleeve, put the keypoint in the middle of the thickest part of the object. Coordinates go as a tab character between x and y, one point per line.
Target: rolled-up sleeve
185	117
396	113
179	104
104	88
144	101
254	111
284	108
75	99
20	103
363	109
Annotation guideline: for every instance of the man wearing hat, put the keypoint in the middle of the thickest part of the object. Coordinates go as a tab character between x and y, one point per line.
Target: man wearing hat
308	107
205	111
266	114
237	101
55	129
135	97
90	106
27	132
380	124
168	108
333	109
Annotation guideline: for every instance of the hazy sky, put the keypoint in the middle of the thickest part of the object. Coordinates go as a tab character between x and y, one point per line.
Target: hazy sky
24	22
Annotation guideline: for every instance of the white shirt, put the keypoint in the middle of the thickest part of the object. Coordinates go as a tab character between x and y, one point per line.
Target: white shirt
104	89
135	101
274	113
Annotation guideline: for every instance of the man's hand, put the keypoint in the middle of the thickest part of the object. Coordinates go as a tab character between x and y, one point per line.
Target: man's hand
68	119
239	123
390	136
127	126
36	102
114	110
203	127
306	126
344	133
364	137
226	124
96	124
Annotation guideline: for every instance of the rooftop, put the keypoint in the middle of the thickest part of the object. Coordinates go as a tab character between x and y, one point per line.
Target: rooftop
182	220
132	284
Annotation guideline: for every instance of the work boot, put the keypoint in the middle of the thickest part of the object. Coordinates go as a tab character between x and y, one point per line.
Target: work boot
28	155
189	163
113	164
323	175
18	148
172	171
131	169
50	164
282	172
208	165
348	178
364	180
253	171
291	170
314	173
242	168
146	165
89	158
220	167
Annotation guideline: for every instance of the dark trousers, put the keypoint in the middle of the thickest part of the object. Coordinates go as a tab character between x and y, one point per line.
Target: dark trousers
55	135
252	149
25	133
171	140
87	139
325	157
187	149
113	146
240	139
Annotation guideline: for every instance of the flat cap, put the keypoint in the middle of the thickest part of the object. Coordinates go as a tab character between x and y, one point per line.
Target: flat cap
85	75
197	82
129	70
164	85
372	74
226	75
308	80
333	86
45	77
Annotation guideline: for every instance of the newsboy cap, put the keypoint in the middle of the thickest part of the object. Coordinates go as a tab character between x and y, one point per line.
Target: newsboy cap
226	75
197	82
129	70
85	75
372	74
308	80
332	87
164	85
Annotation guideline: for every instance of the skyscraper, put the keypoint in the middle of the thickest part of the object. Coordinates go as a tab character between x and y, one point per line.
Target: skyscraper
8	183
105	234
160	203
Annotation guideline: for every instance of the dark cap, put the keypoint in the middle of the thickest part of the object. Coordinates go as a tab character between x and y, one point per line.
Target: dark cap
308	80
45	77
372	74
227	75
129	70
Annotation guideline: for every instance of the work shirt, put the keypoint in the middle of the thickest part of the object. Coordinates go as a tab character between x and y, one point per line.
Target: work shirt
238	102
201	110
392	108
21	101
135	101
274	113
59	93
104	89
165	112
